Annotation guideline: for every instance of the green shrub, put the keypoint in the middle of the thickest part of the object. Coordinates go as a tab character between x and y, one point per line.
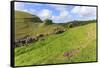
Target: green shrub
48	22
70	25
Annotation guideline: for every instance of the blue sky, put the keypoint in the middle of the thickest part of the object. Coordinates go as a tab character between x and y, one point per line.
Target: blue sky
57	13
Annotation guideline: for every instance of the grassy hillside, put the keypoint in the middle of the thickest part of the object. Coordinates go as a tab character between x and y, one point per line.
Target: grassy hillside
25	23
78	44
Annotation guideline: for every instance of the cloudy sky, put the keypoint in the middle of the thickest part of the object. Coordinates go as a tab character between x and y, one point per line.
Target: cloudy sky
58	13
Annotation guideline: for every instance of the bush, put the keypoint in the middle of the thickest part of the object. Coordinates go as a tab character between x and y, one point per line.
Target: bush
48	22
70	25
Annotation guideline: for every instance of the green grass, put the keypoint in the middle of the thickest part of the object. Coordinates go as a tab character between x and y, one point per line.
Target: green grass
51	50
24	26
33	29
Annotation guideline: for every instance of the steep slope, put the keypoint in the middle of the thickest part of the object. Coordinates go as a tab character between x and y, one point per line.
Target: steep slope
24	23
79	42
28	24
20	16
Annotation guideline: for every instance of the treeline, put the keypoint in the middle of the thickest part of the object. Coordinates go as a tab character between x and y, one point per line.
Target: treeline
76	23
69	24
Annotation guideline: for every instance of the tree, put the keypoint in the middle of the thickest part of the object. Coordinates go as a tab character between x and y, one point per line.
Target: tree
70	25
48	22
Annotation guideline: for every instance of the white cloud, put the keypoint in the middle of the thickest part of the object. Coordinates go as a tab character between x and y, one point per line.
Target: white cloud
59	7
85	12
76	9
63	17
21	7
63	13
32	11
45	14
